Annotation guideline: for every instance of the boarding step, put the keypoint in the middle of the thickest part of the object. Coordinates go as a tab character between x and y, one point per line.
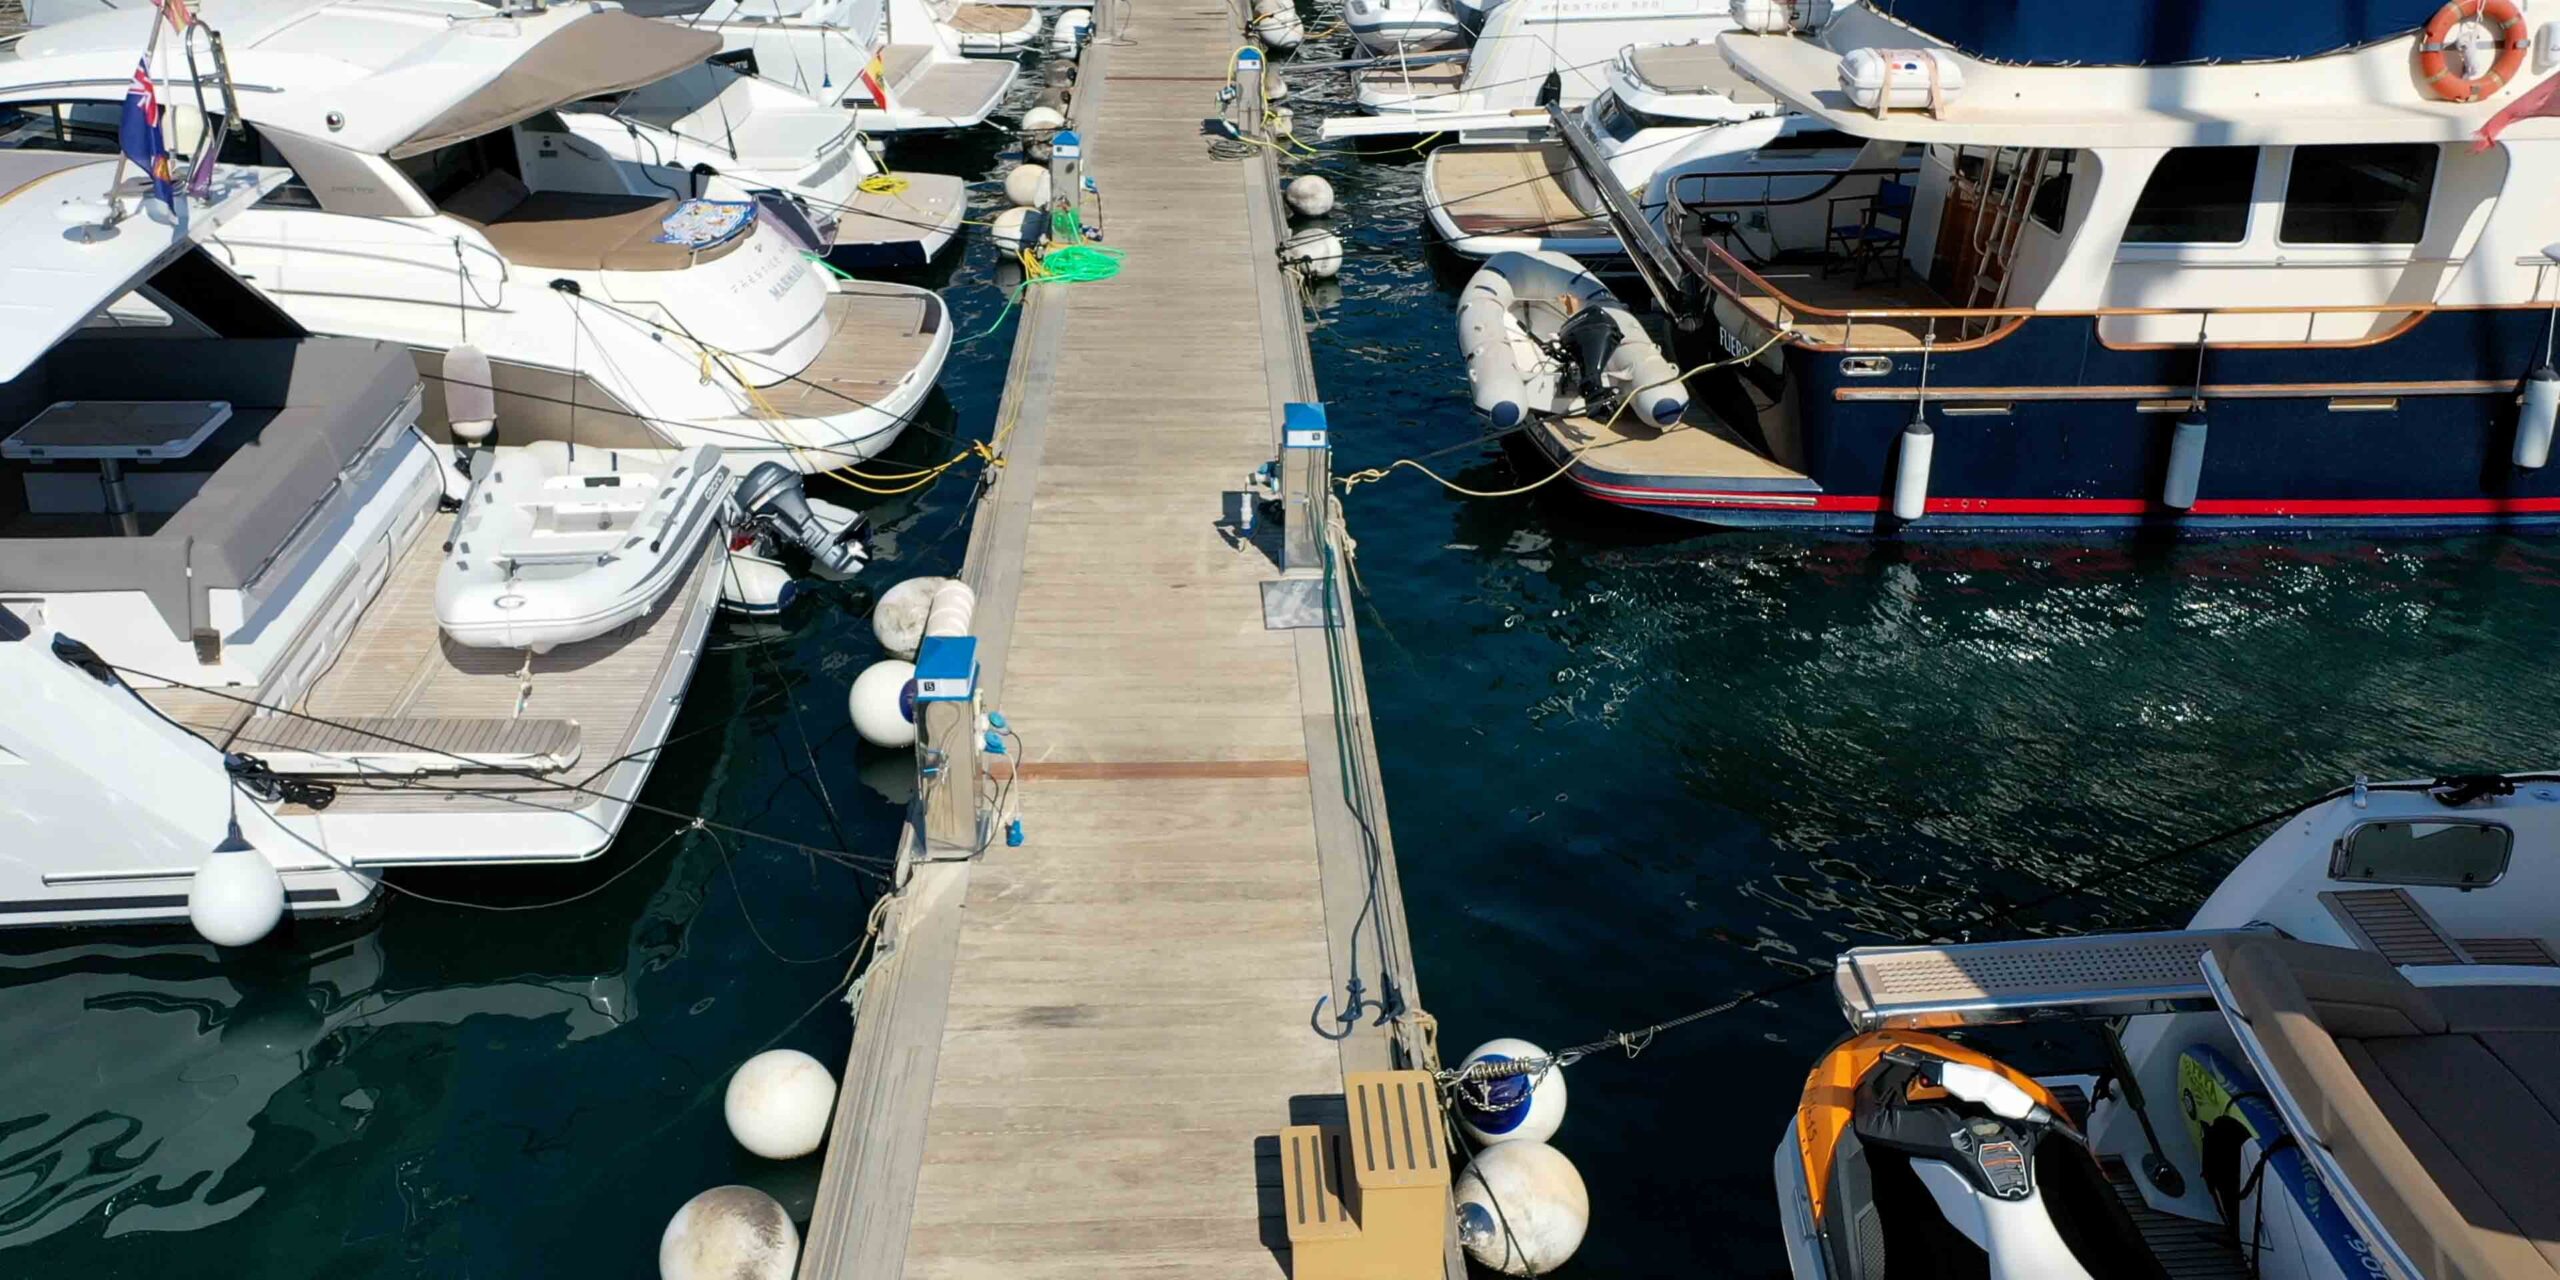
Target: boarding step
2092	976
1369	1200
409	745
2390	923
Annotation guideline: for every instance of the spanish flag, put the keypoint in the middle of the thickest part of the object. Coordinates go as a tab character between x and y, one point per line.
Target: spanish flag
875	81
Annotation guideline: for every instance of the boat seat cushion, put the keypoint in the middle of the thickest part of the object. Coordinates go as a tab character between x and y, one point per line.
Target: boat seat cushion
303	412
573	231
2443	1129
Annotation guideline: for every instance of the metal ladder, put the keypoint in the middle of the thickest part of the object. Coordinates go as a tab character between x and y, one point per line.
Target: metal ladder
1997	223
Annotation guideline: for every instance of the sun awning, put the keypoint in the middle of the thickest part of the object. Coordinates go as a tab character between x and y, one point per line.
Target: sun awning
601	53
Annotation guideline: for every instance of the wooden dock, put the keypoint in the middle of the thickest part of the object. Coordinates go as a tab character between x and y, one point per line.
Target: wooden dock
1071	1055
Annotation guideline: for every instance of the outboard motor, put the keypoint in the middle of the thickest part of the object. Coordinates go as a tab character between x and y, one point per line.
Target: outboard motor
1588	339
775	505
1612	359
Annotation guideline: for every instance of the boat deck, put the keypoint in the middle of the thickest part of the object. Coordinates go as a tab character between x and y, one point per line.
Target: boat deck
1839	290
929	200
1694	68
988	19
1487	189
1430	80
926	87
399	665
1702	449
880	334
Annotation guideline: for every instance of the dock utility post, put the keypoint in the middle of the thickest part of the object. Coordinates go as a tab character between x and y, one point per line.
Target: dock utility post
1306	453
1389	1218
947	746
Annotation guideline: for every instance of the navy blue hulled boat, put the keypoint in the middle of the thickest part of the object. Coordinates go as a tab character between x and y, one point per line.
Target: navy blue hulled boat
2246	270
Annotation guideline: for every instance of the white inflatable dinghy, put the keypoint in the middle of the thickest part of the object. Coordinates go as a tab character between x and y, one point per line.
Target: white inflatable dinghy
1543	338
554	545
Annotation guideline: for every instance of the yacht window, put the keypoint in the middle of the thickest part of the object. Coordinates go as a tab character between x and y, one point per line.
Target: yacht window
445	171
2053	195
2359	194
61	126
1808	141
2198	195
2465	853
242	145
1620	121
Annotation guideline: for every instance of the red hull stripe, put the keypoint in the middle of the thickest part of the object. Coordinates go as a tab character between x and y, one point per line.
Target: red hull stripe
2081	506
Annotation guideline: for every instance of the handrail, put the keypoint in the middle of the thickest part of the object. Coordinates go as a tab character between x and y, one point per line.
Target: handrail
1791	303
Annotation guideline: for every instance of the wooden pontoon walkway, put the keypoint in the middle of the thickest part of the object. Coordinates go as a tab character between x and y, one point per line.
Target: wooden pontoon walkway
1067	1053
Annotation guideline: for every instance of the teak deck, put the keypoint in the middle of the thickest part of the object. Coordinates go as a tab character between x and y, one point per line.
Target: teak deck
1068	1051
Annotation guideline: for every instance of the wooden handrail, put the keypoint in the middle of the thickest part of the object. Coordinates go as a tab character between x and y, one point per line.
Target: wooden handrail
1791	303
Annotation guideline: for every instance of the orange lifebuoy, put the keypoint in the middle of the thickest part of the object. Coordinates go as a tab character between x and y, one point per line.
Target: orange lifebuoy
2500	16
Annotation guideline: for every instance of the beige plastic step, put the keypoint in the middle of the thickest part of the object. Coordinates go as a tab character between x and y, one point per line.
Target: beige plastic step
2392	924
1324	1242
1400	1165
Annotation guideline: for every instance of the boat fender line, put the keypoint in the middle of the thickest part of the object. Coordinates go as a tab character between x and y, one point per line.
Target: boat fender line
2536	415
2503	18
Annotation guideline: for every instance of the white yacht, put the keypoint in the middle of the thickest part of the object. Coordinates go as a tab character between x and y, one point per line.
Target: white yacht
1671	113
1388	26
892	61
221	542
440	199
2340	1069
1529	52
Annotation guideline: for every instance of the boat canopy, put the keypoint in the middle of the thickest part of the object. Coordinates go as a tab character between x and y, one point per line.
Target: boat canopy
51	281
603	52
2113	33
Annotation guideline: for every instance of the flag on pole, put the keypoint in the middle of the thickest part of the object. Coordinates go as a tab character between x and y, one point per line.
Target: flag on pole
177	13
875	80
138	131
2541	100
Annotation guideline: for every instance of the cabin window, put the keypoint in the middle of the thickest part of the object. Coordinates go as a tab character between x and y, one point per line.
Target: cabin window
1622	122
1808	141
2359	194
2053	195
2197	195
62	126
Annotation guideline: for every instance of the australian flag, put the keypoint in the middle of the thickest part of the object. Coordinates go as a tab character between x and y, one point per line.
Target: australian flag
138	131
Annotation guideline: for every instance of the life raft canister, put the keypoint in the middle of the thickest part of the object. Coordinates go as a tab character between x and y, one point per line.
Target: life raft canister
2502	18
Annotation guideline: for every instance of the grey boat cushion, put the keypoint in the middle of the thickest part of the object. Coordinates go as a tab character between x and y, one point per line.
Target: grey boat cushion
303	410
2438	1103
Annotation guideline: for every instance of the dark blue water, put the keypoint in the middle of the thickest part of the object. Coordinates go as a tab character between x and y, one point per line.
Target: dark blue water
1635	768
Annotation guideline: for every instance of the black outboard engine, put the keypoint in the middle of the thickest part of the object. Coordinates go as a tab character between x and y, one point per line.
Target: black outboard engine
1586	341
778	510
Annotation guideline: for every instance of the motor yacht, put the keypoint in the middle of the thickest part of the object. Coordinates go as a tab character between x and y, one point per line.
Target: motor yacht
892	61
2054	265
440	198
1671	114
1390	26
2340	1069
220	543
1528	53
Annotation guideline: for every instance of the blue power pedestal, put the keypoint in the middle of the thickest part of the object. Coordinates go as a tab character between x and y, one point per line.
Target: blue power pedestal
947	669
1303	426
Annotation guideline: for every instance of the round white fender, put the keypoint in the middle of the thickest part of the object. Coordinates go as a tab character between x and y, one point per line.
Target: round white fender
729	1233
1521	1108
1522	1208
777	1104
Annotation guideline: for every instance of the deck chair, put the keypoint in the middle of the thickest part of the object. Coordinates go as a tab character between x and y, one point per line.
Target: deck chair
1863	239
